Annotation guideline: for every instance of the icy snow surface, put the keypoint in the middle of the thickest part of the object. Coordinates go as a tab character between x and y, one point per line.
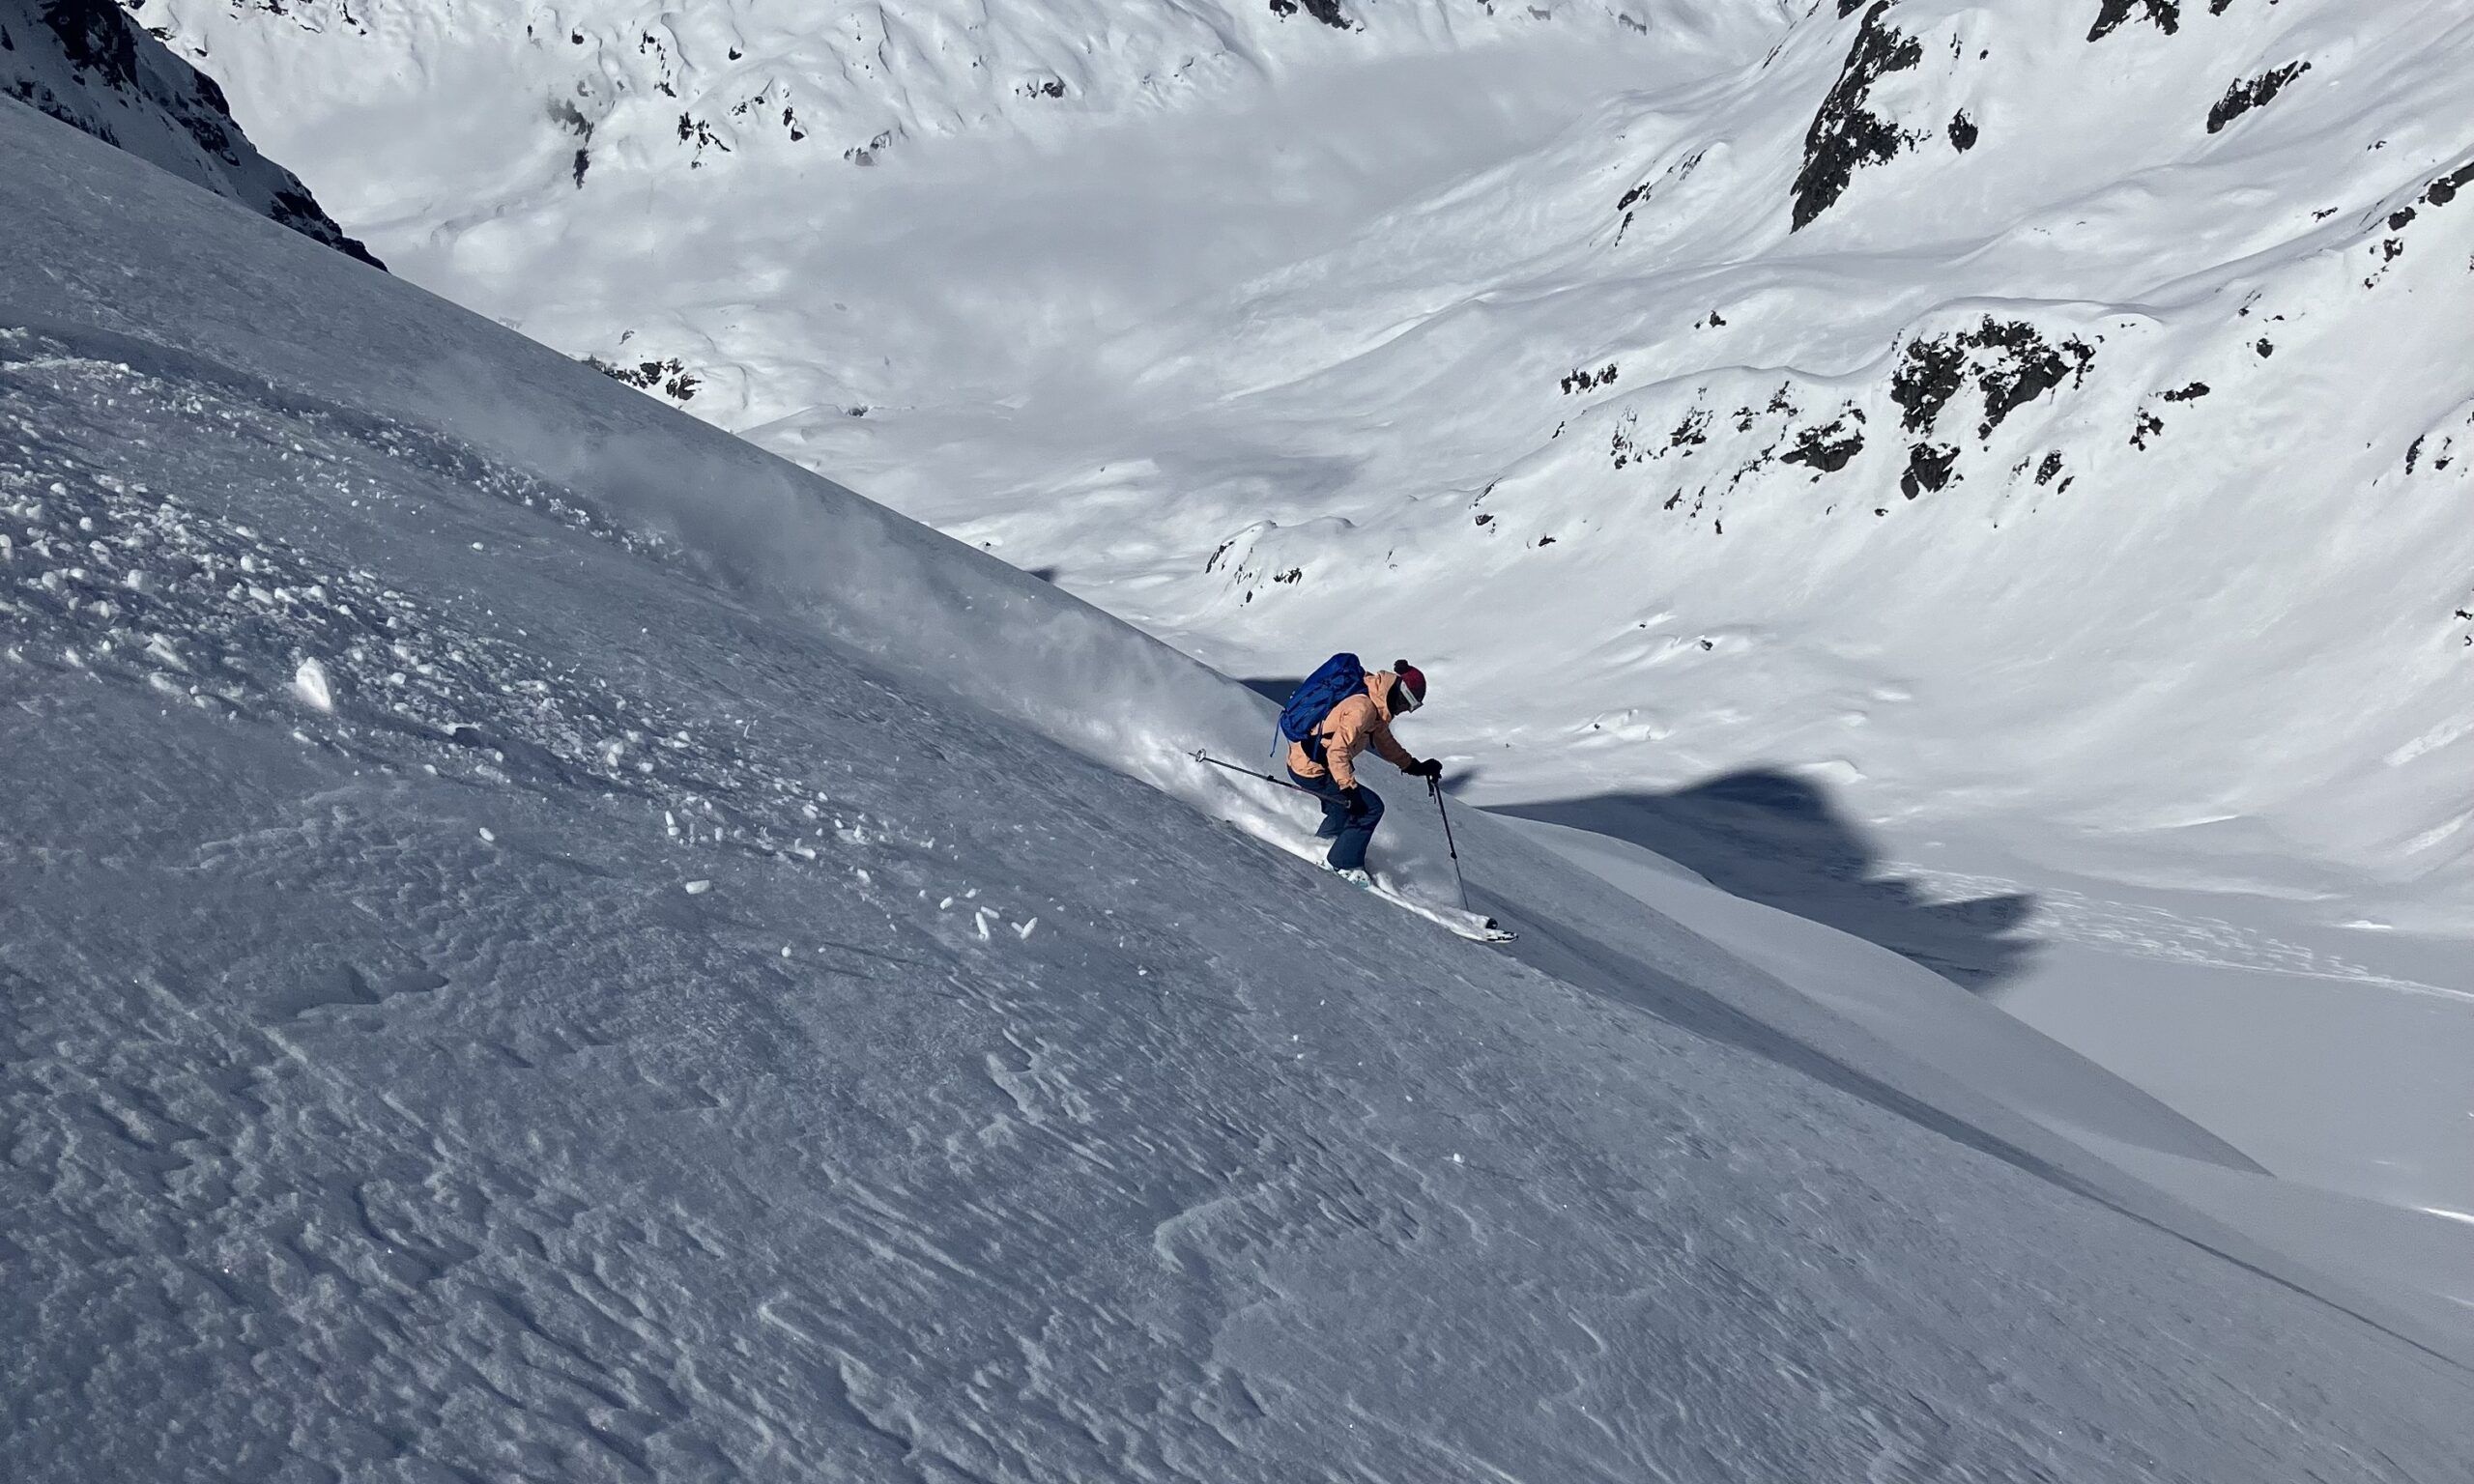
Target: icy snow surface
698	986
2048	560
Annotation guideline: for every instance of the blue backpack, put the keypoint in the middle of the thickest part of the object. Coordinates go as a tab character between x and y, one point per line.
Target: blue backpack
1340	677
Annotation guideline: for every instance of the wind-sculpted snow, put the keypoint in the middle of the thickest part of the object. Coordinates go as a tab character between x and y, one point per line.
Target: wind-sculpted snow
85	62
490	989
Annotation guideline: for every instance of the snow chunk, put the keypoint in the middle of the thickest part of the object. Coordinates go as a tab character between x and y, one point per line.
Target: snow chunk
310	683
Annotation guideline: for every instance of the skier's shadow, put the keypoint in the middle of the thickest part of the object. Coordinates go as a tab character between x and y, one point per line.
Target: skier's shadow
1777	839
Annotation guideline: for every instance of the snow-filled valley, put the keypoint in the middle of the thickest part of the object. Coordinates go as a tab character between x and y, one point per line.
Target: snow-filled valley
538	940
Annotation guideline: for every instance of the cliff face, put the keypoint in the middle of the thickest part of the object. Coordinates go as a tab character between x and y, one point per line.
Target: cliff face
85	62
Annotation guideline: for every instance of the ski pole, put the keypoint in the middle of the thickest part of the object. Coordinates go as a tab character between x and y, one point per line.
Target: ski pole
1199	756
1434	785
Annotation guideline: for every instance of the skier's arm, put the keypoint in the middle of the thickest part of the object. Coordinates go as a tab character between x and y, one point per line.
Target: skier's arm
1344	735
1391	750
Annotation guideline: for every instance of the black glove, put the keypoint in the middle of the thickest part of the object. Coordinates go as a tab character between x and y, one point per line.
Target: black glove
1355	800
1432	767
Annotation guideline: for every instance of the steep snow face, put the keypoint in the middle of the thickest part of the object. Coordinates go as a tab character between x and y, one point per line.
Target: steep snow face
85	62
539	943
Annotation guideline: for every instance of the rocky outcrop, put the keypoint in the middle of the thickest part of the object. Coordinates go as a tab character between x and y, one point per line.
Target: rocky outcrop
85	62
1847	135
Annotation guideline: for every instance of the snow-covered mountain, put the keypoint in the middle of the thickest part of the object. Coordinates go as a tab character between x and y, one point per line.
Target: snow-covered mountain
85	62
1988	477
612	93
2098	278
542	942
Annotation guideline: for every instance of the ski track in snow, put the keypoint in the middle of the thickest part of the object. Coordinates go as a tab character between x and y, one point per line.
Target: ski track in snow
384	1101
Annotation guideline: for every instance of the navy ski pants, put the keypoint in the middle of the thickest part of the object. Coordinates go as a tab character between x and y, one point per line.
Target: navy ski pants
1349	832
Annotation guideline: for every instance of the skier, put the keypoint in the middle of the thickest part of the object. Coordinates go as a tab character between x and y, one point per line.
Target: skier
1324	763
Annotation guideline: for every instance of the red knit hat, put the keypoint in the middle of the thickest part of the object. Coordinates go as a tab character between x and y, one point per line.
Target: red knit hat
1414	678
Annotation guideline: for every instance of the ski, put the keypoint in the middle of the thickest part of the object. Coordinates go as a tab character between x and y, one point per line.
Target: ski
1474	926
1469	926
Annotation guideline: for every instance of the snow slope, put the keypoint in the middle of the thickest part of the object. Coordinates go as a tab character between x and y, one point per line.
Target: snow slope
543	943
2052	242
2036	432
85	62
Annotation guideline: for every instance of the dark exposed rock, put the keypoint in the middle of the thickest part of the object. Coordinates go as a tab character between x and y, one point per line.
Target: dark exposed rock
1586	379
695	131
670	378
2191	393
88	65
1928	467
1963	131
2439	194
1846	136
1328	11
2112	14
1828	447
2441	457
1926	381
96	37
2031	367
1640	195
2051	466
2149	425
865	155
1619	446
2010	361
2444	191
1692	433
2253	93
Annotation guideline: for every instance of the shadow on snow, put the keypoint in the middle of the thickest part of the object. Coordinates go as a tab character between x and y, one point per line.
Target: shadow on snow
1777	839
